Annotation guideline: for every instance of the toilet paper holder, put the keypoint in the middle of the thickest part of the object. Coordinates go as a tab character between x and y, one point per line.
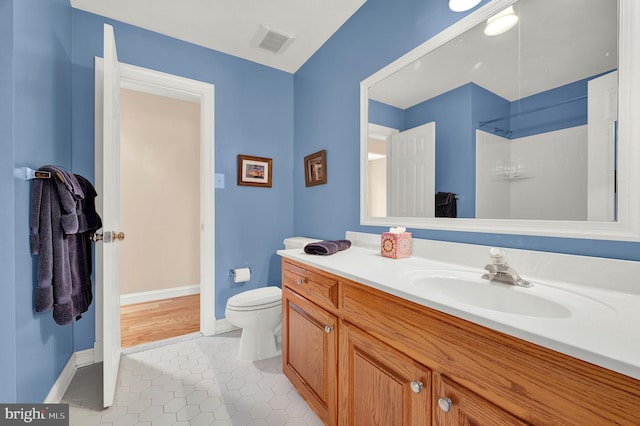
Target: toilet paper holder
233	272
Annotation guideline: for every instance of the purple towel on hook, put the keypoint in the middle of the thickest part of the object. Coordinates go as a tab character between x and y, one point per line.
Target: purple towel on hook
325	248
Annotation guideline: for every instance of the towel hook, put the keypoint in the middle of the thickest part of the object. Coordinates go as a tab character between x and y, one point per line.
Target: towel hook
28	173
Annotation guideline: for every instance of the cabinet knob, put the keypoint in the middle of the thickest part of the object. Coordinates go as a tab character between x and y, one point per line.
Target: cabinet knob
328	329
445	404
416	386
300	281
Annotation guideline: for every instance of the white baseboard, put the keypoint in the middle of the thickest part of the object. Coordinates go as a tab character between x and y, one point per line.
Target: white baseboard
224	326
76	360
167	293
85	357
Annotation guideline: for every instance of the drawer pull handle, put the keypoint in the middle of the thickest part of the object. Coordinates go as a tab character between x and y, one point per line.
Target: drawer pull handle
445	404
328	329
300	281
416	386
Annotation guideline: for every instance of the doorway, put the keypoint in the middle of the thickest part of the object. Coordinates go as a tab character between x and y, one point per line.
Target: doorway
152	82
160	208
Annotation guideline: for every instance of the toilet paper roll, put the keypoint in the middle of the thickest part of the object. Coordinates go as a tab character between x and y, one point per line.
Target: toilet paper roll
241	275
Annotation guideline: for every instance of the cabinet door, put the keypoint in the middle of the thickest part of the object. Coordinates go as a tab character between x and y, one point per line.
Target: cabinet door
380	386
456	406
309	353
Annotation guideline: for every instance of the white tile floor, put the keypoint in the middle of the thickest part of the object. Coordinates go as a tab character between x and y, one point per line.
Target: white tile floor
192	380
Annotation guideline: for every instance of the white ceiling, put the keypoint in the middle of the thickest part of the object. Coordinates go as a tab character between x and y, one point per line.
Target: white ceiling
229	25
556	42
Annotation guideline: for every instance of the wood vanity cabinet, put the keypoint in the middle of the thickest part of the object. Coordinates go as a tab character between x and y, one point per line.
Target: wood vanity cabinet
401	363
310	339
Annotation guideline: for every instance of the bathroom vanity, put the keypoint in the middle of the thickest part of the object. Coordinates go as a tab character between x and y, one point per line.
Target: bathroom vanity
364	344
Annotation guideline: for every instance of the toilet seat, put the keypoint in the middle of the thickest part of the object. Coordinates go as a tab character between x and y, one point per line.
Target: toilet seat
257	299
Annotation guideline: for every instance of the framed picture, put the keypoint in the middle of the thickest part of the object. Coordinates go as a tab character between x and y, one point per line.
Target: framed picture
254	171
315	168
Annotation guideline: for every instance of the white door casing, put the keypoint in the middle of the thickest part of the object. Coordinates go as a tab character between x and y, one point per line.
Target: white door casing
157	83
602	118
377	193
162	84
412	172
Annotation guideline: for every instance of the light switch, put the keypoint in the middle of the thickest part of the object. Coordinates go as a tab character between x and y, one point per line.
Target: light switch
219	180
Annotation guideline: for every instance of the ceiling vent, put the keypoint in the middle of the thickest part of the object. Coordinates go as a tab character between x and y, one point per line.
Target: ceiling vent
270	40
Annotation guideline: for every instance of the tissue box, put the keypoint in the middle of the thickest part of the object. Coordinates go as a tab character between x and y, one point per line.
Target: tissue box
395	245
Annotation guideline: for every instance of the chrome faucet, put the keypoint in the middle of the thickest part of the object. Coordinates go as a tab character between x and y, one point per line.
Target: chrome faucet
498	270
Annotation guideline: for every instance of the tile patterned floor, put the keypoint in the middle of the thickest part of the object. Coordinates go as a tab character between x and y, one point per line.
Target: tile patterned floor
192	381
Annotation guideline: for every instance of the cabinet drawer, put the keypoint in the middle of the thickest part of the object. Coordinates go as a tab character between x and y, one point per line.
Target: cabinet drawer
316	287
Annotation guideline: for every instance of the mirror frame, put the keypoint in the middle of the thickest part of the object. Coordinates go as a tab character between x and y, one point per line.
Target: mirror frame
626	228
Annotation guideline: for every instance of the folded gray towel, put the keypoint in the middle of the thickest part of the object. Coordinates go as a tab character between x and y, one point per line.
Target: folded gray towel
325	248
343	244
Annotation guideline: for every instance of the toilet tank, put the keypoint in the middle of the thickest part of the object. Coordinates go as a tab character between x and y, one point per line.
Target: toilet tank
297	242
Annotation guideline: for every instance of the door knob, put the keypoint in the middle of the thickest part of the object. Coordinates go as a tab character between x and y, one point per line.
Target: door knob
445	404
107	236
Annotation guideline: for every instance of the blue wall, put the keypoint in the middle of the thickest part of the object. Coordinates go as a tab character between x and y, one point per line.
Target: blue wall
570	110
7	243
327	111
253	116
455	142
327	116
39	107
386	115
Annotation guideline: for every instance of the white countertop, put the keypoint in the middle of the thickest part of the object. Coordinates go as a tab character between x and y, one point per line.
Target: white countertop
604	331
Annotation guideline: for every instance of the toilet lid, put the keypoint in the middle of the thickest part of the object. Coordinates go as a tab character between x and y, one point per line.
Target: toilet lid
259	298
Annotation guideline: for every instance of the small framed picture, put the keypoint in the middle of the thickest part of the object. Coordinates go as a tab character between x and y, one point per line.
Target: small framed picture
315	168
254	171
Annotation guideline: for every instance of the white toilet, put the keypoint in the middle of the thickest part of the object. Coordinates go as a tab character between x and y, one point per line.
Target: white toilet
259	313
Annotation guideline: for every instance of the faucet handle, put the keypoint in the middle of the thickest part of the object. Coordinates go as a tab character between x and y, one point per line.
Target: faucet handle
497	256
494	268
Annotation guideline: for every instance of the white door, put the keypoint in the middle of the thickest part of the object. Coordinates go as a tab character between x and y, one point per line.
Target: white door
412	172
108	187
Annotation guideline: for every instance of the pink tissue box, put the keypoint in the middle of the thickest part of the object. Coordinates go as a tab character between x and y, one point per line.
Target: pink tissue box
395	246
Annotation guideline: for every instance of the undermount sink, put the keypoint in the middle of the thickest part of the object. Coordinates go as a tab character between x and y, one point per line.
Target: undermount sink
469	289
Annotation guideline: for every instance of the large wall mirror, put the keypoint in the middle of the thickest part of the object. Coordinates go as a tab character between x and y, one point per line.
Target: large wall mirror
531	128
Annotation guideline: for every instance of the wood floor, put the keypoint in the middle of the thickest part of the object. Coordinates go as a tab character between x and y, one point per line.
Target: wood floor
161	319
